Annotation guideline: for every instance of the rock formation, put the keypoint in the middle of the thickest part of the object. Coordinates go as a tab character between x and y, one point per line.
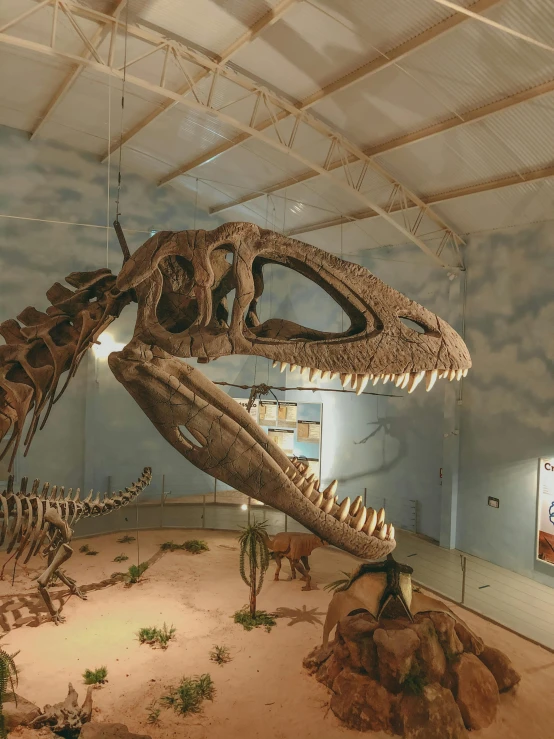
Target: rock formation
427	679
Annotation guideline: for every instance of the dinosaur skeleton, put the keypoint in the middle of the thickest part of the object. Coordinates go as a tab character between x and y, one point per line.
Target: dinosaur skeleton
31	520
181	281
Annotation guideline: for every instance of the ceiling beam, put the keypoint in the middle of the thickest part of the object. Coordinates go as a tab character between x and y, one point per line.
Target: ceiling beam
436	129
96	41
351	182
267	20
363	72
442	197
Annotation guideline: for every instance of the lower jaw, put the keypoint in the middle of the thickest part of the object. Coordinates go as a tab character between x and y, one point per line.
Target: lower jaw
232	447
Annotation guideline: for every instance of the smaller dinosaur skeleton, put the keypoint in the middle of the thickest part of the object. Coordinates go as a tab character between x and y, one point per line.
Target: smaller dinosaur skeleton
296	547
30	519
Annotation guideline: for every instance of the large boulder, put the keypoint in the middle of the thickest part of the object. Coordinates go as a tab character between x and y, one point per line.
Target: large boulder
471	642
431	715
95	730
430	656
396	650
500	667
476	692
328	671
444	625
355	642
317	657
18	711
362	703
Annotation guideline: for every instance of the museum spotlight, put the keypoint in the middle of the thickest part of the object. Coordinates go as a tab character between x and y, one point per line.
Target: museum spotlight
244	507
106	345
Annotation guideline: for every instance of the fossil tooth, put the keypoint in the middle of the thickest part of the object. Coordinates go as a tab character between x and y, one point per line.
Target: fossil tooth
415	380
325	375
355	505
380	516
362	383
293	367
430	379
345	378
371	522
405	381
376	380
283	366
386	378
452	375
330	491
400	379
303	370
459	374
343	510
318	501
328	505
359	520
275	363
353	381
310	477
464	372
334	375
314	374
381	533
307	493
391	532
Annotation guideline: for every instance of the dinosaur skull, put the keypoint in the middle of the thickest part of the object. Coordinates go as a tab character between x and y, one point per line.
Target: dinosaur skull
181	280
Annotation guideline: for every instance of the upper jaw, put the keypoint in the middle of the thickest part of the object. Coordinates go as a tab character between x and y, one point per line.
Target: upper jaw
229	445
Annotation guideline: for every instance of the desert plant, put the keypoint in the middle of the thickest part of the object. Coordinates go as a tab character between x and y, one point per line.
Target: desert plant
95	677
170	546
84	549
196	546
152	635
8	679
253	546
135	572
121	558
126	539
153	713
187	697
220	655
249	621
91	553
342	583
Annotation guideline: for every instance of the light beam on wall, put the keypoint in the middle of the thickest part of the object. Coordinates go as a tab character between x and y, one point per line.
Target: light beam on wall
107	344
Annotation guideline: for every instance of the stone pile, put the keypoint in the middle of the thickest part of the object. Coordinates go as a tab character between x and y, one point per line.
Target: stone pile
431	679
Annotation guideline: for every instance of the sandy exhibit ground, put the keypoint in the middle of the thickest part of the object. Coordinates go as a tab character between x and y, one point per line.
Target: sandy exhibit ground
263	691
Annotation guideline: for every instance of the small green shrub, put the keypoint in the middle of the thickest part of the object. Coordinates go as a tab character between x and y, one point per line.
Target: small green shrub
249	621
91	553
196	546
187	697
8	679
153	713
220	655
170	546
341	584
84	549
121	558
126	539
154	636
135	572
95	677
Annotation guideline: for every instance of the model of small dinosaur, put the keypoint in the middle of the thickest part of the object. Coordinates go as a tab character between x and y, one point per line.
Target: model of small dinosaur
31	520
296	547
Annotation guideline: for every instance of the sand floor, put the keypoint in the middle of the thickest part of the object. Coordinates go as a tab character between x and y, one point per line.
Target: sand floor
263	691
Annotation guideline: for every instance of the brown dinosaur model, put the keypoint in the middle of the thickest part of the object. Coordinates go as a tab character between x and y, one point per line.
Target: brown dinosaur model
296	547
181	280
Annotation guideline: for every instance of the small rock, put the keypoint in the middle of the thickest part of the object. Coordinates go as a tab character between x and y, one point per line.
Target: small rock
357	627
362	703
328	671
395	652
471	642
430	655
431	715
501	668
445	627
317	657
109	731
476	692
19	714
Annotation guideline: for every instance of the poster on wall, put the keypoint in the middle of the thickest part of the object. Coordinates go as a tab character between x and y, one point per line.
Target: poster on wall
309	431
283	438
545	512
268	411
253	410
287	414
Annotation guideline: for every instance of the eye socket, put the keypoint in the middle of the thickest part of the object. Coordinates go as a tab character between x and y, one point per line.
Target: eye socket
416	326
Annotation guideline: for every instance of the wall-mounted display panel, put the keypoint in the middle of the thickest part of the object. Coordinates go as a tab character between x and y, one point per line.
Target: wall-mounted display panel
545	512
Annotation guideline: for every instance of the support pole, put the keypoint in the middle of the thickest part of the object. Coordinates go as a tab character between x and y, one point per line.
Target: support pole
162	504
203	511
463	561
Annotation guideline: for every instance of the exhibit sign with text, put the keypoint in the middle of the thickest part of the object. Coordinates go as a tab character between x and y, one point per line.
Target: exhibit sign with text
545	512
